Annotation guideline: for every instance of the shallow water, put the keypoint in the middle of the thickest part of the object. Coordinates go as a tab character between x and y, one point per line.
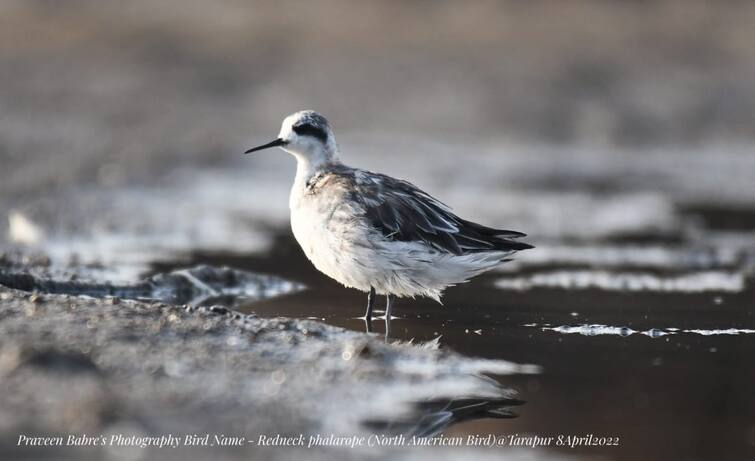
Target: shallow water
667	372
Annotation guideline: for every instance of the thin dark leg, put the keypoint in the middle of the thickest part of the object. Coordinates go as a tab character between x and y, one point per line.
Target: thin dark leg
388	307
368	315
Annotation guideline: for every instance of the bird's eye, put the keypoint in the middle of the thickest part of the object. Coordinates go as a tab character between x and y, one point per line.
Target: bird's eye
308	129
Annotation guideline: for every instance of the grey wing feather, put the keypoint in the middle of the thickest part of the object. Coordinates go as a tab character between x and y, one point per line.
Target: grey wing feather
403	212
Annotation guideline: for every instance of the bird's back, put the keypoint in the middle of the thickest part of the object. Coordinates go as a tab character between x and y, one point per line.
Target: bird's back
401	211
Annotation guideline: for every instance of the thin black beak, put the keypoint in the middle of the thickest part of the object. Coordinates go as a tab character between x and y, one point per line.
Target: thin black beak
277	143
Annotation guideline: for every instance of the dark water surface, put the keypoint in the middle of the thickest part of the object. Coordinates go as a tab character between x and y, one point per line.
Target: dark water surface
677	396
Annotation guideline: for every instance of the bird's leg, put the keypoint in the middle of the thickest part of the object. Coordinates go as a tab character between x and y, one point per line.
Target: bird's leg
388	307
368	315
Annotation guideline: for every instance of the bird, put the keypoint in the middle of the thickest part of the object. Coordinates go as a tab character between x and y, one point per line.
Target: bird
375	233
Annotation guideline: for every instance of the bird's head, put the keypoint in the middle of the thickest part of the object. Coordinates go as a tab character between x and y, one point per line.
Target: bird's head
307	135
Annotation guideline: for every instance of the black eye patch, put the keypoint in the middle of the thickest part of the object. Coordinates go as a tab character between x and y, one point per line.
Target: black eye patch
311	130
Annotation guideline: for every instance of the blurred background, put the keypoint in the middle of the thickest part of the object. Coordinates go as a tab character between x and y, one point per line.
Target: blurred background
154	85
617	134
653	100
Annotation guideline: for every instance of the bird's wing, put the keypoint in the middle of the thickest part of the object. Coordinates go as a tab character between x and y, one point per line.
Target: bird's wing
403	212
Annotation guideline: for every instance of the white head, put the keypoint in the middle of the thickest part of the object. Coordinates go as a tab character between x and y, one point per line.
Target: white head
306	135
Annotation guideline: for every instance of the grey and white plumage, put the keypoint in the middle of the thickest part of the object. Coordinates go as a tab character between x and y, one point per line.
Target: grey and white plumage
376	233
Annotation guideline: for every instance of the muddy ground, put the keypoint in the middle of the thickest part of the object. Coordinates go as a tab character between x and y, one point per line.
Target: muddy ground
86	366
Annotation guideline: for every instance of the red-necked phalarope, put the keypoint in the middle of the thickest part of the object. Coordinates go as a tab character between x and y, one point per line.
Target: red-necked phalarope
375	233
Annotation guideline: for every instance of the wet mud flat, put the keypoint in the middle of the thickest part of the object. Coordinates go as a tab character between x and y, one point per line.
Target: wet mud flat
79	364
635	308
652	353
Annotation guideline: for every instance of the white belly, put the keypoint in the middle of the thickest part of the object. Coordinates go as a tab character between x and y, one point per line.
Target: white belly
333	245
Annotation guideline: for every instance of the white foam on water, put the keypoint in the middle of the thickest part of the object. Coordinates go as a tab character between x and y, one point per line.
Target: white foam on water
727	331
597	329
634	256
624	281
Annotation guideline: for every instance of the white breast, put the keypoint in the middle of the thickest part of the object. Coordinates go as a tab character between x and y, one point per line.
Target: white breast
324	226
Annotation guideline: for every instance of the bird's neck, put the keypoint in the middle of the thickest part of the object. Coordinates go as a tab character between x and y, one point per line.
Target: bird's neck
309	165
306	169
